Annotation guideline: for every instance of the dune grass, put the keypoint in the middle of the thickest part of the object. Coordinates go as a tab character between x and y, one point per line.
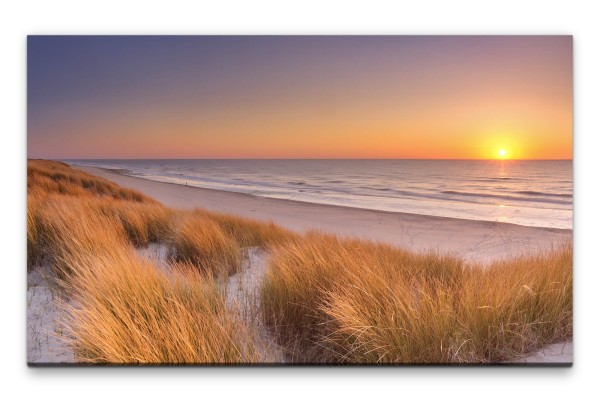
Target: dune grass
61	199
209	237
200	241
143	222
119	307
248	232
327	300
73	228
52	216
56	177
123	310
34	236
215	242
348	301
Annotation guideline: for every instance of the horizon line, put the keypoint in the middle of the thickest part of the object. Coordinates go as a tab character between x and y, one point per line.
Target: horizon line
296	158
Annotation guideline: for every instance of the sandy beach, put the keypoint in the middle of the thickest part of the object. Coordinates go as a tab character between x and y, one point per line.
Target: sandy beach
474	240
477	241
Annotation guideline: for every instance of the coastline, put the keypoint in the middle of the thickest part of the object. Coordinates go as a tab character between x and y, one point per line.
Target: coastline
478	241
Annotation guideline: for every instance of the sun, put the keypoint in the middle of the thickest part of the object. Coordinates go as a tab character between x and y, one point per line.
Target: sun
502	153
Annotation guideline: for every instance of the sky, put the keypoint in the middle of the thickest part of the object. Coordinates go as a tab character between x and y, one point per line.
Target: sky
412	97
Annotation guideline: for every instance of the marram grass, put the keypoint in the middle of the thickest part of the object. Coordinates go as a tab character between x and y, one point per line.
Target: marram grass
123	310
349	301
325	299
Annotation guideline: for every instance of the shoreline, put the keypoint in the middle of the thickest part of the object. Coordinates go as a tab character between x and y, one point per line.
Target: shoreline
120	172
505	206
475	240
124	172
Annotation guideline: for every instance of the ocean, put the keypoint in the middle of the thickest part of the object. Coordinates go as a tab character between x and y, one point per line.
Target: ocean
529	193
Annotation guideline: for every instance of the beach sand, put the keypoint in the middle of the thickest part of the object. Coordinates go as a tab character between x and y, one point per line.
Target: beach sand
44	342
479	241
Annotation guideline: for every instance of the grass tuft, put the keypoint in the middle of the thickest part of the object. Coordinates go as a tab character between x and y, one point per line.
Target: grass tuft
248	232
349	301
56	177
123	310
201	242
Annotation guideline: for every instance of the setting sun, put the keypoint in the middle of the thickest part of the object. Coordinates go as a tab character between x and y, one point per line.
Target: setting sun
373	98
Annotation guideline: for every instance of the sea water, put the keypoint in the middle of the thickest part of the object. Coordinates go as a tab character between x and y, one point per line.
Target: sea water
530	193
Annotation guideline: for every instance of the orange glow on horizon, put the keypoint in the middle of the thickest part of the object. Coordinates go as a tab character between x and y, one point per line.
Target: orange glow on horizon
279	134
503	98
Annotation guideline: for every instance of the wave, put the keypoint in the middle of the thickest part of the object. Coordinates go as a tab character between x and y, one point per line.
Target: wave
508	197
378	189
123	171
544	194
497	179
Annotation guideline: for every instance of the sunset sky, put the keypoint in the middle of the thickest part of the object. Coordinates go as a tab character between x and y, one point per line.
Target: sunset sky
448	97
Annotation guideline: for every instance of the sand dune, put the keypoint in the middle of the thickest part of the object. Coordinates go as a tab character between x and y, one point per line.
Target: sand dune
481	241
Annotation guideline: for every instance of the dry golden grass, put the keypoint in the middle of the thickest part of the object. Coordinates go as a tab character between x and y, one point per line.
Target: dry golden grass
143	222
34	236
142	219
120	308
214	241
200	241
56	194
527	302
350	301
51	218
248	232
326	299
123	310
56	177
73	227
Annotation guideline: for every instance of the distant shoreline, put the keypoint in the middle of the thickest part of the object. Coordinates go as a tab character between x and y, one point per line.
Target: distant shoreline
479	192
124	172
477	240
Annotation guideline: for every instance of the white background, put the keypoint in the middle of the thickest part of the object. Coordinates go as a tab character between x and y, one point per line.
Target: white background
18	19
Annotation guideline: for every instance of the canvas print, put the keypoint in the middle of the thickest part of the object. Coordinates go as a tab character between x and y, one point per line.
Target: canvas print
253	200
